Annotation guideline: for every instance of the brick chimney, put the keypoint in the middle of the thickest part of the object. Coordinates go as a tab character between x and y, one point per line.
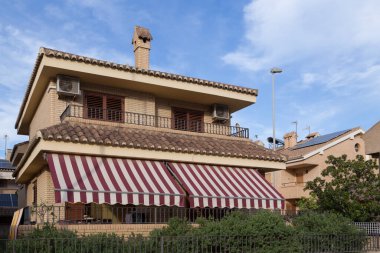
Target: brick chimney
141	46
290	139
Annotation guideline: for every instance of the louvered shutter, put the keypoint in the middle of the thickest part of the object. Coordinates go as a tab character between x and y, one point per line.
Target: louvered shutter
180	119
187	120
195	121
94	106
114	109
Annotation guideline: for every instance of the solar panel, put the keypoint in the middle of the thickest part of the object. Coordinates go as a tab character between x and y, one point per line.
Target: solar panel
9	200
5	164
320	139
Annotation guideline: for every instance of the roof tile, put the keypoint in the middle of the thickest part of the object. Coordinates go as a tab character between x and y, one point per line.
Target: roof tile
157	140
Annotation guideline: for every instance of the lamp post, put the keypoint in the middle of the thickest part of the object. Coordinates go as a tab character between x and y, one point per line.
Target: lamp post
274	71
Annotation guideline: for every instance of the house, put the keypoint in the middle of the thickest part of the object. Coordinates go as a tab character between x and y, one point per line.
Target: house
8	198
306	160
113	143
372	142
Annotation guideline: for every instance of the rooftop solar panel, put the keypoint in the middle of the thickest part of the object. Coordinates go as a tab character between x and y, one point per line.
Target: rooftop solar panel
9	200
320	139
5	164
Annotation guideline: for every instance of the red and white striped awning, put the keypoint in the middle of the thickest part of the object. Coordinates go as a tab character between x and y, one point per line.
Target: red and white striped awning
222	186
100	180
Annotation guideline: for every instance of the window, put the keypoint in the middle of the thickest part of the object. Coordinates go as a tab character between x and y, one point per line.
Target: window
187	120
35	193
357	147
104	107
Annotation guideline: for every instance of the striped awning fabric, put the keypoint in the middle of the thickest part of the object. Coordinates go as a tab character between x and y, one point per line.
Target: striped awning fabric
231	187
100	180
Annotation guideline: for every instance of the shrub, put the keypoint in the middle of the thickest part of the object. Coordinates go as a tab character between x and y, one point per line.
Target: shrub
329	231
238	232
45	239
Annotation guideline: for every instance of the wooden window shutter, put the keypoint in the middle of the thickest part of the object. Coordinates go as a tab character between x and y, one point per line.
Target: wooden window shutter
94	106
187	120
115	109
179	119
195	121
35	193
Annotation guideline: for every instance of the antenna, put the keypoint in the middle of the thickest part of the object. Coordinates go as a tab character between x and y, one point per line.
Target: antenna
5	145
307	128
296	123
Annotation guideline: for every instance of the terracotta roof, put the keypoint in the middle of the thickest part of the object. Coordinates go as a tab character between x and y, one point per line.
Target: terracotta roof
16	146
157	140
123	67
143	33
296	153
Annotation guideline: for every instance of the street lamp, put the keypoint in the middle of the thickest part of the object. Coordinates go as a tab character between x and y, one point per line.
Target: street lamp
274	71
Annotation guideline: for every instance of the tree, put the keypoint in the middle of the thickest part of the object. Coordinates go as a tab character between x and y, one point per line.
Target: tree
349	187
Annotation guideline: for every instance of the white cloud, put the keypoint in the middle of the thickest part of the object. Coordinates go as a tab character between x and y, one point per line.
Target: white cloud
288	31
329	51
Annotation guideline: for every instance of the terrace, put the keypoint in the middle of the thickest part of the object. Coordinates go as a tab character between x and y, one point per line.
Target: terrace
117	116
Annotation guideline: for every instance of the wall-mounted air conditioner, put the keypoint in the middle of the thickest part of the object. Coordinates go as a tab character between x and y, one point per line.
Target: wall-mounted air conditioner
68	85
220	112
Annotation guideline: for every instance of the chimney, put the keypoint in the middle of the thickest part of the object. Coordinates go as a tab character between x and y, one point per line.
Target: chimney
312	135
141	46
290	139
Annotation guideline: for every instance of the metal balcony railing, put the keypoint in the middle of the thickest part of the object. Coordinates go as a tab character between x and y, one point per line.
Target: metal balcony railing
153	121
79	213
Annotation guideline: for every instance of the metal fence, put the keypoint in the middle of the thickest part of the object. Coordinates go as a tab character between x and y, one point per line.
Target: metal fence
118	214
371	228
192	244
153	121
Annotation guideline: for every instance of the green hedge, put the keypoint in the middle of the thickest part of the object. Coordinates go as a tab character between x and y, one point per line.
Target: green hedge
238	232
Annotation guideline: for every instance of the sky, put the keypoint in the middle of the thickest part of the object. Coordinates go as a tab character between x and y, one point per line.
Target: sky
328	50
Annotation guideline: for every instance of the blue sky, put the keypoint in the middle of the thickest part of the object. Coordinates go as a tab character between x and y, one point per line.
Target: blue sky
329	51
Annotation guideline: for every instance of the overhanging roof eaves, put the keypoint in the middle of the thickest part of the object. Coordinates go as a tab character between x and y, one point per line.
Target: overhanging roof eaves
123	67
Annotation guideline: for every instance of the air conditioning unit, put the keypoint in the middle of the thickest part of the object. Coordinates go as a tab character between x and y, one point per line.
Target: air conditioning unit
220	112
68	85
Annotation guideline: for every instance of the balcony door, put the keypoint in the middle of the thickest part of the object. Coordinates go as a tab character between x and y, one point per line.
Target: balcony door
187	120
104	107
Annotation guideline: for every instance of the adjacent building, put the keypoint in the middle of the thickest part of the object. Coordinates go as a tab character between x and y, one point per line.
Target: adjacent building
306	160
113	143
372	142
8	197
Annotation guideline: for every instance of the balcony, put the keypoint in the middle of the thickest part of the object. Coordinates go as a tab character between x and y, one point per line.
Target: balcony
74	111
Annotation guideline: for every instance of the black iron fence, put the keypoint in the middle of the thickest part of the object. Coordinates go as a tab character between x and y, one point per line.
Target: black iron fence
153	121
80	213
190	244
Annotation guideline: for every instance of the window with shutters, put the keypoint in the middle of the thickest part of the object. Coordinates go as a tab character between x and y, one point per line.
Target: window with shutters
187	120
104	107
35	193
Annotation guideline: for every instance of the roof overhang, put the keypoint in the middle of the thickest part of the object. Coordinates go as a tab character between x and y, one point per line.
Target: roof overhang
34	160
47	69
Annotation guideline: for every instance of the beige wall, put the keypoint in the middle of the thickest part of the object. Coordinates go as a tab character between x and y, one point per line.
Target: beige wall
372	140
45	189
290	182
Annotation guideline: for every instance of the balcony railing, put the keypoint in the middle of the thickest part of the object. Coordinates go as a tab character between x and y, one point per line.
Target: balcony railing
118	214
152	120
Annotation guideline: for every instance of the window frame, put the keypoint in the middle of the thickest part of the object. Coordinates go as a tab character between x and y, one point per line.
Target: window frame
105	113
188	113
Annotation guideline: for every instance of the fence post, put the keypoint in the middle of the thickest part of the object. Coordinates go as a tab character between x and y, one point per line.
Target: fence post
162	244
